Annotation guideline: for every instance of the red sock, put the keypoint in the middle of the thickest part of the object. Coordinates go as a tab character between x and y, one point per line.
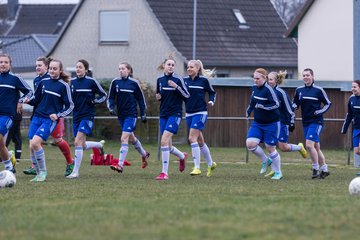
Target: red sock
65	149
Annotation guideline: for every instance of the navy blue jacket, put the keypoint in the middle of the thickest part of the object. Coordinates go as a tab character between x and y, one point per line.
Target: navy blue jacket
39	78
10	85
197	89
265	104
127	93
287	114
171	98
310	99
353	113
83	93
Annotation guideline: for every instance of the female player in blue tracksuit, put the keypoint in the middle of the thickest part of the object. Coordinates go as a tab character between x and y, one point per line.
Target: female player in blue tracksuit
10	85
314	103
52	100
196	113
170	91
354	113
86	92
126	93
266	124
287	116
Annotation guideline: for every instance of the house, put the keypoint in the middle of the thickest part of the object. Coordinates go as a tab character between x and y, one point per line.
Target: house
324	30
234	36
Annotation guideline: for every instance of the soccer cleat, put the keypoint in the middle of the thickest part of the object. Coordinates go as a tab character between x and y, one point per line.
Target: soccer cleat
358	174
144	162
73	175
126	163
116	168
210	169
162	176
195	172
13	160
324	174
270	174
29	171
182	162
69	169
277	176
41	177
102	152
264	166
315	174
303	151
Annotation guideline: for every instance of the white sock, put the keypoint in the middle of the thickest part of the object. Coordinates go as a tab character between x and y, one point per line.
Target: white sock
177	152
79	152
36	166
123	152
276	161
8	165
205	151
40	158
91	144
315	166
139	148
195	150
294	147
324	168
258	151
165	155
356	160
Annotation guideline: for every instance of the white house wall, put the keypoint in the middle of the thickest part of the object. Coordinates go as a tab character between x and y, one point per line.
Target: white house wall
325	40
148	44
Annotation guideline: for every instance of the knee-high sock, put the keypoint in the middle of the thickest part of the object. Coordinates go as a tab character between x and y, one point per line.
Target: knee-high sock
35	164
356	160
177	152
276	161
294	147
195	150
165	155
205	151
40	158
258	151
65	149
79	152
139	148
91	145
123	152
8	164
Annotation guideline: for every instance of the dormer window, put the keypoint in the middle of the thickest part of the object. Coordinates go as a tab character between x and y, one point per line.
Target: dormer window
241	19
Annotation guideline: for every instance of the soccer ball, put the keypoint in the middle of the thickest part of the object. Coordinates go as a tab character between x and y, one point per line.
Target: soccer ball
354	186
7	179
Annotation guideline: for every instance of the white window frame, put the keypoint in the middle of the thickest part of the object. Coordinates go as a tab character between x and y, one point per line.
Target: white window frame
114	27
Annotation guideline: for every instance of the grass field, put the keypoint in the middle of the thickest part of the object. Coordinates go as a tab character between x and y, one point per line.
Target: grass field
236	203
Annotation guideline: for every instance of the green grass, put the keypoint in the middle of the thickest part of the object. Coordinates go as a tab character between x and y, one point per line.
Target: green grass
236	203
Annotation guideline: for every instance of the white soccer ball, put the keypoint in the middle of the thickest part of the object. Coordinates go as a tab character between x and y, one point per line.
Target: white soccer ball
354	186
7	179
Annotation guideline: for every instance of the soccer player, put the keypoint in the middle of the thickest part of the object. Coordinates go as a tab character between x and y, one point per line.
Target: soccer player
196	113
84	90
53	101
42	65
287	116
10	88
314	103
125	92
170	91
354	113
266	124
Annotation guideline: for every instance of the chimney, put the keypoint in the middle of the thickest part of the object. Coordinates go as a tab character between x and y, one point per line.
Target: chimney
12	7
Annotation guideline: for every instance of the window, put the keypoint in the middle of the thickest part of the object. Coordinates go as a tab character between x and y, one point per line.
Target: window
114	26
241	19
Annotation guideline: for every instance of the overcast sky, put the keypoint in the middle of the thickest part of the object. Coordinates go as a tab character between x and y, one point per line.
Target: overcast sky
42	1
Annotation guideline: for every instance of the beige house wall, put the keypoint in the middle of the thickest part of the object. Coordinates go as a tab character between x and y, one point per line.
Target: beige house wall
81	40
325	40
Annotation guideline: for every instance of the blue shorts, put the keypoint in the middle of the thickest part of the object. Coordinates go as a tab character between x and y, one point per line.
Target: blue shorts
170	124
268	133
197	121
5	124
284	133
84	126
127	124
312	132
41	127
356	137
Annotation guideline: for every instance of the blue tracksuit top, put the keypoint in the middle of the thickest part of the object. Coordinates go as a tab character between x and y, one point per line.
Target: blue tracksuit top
83	93
38	79
265	104
353	113
197	89
287	114
171	98
126	92
52	96
10	85
310	98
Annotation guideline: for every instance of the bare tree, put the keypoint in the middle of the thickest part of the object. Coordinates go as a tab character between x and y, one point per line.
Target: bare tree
287	9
